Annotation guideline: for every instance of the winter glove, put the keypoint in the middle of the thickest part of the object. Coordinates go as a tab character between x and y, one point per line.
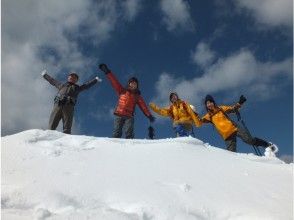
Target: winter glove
44	72
104	68
152	105
242	99
151	118
98	79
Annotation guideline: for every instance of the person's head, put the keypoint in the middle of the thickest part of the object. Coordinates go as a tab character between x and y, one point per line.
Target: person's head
133	83
72	77
173	97
209	103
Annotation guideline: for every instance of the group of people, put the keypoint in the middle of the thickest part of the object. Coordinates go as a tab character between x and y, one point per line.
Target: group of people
183	115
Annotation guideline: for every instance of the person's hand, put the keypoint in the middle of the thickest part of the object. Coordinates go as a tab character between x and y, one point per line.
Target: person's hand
98	79
104	68
151	118
152	105
242	99
44	72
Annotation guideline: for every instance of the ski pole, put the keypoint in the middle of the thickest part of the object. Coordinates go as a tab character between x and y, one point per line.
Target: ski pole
238	114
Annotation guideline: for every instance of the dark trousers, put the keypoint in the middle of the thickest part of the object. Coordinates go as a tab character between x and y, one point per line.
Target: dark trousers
64	112
244	134
127	123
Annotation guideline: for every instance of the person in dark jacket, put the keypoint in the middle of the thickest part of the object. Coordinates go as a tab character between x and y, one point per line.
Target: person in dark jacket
129	97
66	99
218	116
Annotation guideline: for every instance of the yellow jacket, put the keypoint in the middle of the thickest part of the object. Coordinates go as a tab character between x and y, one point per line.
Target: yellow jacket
179	112
221	121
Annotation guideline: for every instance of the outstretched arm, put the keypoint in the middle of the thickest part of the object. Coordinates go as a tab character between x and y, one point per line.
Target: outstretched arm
88	84
161	111
194	116
113	80
115	83
236	107
51	80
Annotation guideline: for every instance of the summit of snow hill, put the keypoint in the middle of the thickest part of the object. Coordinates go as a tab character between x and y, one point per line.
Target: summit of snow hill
51	175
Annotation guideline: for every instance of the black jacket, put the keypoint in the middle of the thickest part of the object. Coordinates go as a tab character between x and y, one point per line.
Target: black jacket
69	90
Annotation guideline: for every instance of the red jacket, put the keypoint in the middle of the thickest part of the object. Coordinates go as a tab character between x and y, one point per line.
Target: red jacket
127	99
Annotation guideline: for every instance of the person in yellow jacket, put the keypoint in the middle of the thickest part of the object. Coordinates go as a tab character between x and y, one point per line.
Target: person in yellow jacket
181	113
217	115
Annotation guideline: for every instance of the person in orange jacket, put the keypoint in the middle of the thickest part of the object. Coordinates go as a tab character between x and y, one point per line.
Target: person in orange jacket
181	113
129	97
218	116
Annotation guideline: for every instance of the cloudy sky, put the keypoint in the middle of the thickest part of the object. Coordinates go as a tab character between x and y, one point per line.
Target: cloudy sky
223	48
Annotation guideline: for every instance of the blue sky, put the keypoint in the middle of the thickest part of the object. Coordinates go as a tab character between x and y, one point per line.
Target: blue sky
224	48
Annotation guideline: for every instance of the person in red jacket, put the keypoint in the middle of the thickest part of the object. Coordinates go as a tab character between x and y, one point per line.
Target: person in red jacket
129	97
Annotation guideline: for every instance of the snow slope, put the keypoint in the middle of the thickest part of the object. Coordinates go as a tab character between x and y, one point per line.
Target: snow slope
51	175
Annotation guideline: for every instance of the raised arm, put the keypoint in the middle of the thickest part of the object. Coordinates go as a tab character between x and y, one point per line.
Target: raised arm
113	80
51	80
161	111
115	83
88	84
234	108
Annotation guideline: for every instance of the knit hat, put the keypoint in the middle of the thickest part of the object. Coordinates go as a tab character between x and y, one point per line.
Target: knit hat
209	98
134	79
171	95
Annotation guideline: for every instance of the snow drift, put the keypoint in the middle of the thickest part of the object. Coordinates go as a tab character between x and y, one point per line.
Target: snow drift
51	175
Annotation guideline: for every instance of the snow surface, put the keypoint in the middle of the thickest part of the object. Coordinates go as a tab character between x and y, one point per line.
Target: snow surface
51	175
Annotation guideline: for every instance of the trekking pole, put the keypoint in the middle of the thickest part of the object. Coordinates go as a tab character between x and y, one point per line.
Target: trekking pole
193	134
151	132
238	114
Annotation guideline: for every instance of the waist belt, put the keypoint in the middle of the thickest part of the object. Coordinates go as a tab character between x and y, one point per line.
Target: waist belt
65	100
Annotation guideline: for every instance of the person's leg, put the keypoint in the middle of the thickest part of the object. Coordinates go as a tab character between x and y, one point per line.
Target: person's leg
67	118
231	143
55	117
247	138
180	130
129	128
188	129
118	125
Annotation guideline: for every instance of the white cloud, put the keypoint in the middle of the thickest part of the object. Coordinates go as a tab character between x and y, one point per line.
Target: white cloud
131	8
235	73
39	35
176	15
203	55
269	12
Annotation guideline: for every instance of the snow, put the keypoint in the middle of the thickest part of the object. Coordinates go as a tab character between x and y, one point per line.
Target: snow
51	175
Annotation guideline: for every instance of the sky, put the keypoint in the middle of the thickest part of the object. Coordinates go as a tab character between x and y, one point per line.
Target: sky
223	48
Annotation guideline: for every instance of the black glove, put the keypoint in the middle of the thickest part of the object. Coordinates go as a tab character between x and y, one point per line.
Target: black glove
151	118
104	68
242	99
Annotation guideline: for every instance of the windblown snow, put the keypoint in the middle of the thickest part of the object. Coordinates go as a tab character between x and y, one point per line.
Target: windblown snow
51	175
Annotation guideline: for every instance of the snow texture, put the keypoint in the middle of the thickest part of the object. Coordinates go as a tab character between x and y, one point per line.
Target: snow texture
50	175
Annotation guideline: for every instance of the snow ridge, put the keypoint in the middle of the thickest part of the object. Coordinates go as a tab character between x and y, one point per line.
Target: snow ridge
51	175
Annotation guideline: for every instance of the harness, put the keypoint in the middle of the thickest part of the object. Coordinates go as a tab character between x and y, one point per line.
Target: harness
65	99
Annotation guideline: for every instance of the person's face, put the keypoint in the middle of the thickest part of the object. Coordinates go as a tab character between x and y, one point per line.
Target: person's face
133	85
72	79
174	98
210	105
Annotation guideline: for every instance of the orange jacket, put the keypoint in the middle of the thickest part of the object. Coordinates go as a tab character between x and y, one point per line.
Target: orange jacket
127	99
220	120
179	112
